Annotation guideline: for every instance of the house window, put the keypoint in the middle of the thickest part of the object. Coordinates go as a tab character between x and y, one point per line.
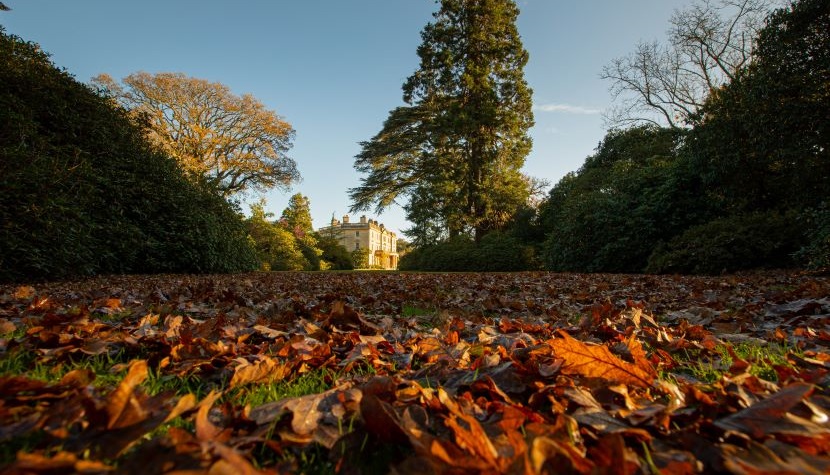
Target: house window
357	233
357	245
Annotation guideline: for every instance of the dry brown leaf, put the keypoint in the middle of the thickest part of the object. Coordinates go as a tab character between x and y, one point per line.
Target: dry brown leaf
611	455
205	429
231	462
306	413
470	436
596	361
24	292
771	416
266	370
123	405
759	459
639	355
184	404
61	462
544	449
381	420
7	326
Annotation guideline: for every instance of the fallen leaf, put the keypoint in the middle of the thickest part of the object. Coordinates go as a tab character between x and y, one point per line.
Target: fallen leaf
205	429
597	361
24	292
770	415
759	459
266	370
61	462
123	406
231	462
612	455
184	404
470	436
381	420
551	456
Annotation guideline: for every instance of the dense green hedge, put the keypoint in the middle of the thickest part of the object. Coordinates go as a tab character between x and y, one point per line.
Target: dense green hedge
816	252
497	252
82	193
758	240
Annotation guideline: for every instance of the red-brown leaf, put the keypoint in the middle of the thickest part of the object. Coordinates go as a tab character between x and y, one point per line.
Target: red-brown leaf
771	416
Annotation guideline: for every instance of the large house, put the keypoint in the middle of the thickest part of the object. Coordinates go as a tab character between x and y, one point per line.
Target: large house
366	234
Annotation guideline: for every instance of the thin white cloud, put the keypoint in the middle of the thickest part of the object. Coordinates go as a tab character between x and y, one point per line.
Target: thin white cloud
566	109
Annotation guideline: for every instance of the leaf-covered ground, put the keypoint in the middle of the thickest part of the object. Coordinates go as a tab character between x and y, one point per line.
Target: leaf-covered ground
417	373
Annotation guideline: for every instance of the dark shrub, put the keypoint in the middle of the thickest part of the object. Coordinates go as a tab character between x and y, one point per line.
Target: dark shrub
758	240
816	253
497	252
335	254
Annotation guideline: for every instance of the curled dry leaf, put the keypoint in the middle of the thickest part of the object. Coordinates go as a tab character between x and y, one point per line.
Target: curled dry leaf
24	292
205	429
61	462
123	406
265	370
771	415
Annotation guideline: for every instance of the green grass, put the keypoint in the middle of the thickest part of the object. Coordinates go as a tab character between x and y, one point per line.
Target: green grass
309	383
26	363
24	443
711	366
157	383
415	311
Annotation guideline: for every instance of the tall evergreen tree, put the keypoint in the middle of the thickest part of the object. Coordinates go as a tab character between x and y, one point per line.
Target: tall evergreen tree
297	216
456	150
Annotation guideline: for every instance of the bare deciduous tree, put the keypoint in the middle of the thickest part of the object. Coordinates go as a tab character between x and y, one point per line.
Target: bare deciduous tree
234	142
664	84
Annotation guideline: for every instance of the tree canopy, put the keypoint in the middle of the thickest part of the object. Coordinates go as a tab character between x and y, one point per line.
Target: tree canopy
627	197
232	141
774	116
456	149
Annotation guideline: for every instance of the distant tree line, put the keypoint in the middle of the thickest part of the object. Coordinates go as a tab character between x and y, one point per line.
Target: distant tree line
734	177
290	242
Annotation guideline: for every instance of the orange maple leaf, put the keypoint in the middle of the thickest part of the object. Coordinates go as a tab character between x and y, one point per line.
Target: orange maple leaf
596	361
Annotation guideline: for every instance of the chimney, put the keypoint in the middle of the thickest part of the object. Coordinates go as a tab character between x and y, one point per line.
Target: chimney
345	219
363	219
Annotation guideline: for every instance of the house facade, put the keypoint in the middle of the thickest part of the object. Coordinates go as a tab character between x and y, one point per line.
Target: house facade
366	234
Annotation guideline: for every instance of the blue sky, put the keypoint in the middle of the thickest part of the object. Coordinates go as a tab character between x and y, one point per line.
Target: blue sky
334	68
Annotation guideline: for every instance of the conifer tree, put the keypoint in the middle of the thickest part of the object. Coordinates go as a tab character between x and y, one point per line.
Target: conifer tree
297	215
456	149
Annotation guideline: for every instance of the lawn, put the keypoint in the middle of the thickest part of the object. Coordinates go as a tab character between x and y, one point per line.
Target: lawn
416	373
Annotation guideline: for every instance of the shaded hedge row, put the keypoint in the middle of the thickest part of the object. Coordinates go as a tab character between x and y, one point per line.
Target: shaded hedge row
497	252
82	193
